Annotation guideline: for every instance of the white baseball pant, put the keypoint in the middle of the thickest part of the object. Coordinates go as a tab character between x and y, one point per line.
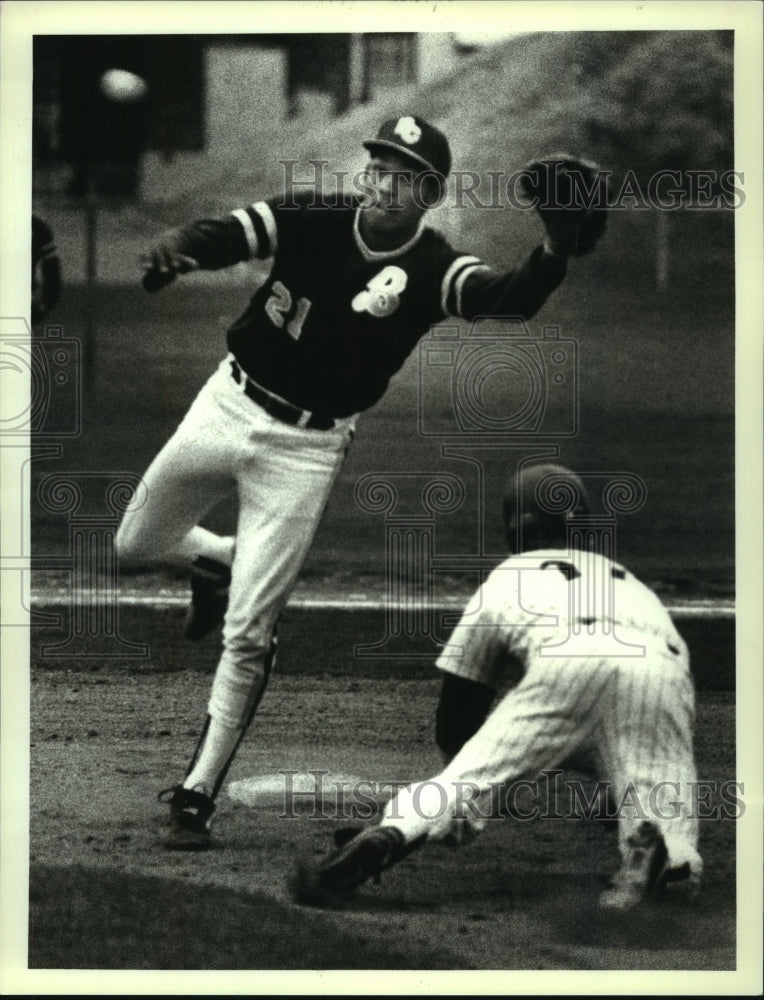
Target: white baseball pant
635	716
283	475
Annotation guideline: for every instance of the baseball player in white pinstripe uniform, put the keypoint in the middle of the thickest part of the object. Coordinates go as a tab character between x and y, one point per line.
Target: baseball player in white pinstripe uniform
354	285
601	683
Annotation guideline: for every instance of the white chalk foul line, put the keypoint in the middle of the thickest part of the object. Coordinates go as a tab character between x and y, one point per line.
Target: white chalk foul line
702	608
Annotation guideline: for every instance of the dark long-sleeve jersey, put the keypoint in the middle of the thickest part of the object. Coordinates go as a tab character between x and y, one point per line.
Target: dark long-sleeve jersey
335	320
46	269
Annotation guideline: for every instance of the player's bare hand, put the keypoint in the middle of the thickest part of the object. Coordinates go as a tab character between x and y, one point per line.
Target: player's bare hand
164	257
163	261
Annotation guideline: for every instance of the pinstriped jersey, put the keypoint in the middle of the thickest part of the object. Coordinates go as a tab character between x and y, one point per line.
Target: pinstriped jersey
335	319
555	603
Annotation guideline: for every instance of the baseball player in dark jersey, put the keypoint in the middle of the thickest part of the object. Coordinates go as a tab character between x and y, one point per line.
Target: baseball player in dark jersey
46	270
352	288
561	658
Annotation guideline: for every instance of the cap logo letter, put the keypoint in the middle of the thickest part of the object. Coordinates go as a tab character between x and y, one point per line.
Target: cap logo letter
408	130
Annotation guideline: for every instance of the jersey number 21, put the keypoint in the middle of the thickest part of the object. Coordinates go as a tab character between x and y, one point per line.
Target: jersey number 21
279	305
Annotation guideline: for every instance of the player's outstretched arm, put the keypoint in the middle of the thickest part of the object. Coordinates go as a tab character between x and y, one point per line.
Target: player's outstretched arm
570	197
208	245
164	260
519	293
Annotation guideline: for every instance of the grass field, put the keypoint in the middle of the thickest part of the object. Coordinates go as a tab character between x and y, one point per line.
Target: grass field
654	384
654	398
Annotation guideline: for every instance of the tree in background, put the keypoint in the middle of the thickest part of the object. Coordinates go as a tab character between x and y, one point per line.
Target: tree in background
668	105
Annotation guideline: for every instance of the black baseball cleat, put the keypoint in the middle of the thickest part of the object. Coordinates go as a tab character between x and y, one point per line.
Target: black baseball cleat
210	581
680	883
190	819
366	854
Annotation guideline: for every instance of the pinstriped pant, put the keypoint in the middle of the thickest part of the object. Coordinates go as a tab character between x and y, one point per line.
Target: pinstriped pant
634	716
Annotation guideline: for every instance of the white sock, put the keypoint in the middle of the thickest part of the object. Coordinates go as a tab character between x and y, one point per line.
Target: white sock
218	746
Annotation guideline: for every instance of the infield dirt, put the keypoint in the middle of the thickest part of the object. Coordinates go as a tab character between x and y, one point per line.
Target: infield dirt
105	894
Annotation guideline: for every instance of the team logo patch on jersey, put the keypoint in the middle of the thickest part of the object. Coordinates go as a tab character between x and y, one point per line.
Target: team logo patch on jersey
408	130
381	297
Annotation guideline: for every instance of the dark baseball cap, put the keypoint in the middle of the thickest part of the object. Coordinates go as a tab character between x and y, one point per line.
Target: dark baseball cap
414	138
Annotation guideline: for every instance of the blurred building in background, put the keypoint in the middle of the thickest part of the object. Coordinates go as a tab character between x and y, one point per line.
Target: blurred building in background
204	93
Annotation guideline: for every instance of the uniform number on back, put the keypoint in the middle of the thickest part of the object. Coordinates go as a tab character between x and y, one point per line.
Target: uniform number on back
279	306
570	572
567	569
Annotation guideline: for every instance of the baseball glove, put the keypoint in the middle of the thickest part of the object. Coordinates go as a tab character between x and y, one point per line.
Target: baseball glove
570	196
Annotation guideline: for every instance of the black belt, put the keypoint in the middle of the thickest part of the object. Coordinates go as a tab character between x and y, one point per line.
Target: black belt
279	408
